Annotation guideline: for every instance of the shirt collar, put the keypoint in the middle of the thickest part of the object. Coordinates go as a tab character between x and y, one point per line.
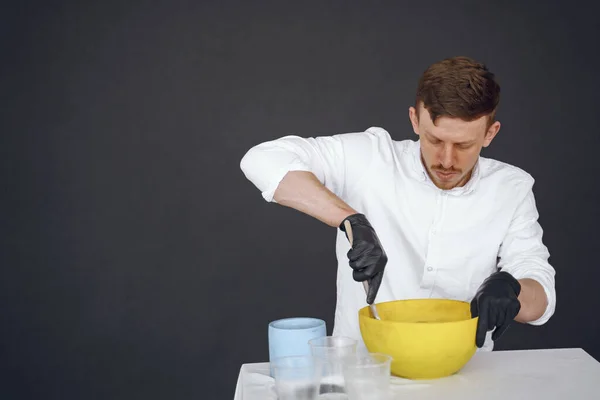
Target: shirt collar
421	174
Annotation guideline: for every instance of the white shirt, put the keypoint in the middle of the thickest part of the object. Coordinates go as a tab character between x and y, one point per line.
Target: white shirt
439	243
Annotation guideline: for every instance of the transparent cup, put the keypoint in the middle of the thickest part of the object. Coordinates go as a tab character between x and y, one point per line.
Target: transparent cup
367	376
297	377
332	350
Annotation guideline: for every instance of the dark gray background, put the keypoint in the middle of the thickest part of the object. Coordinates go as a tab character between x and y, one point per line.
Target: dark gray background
137	261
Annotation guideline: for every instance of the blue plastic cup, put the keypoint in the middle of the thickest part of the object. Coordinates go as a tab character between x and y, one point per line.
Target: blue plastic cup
290	336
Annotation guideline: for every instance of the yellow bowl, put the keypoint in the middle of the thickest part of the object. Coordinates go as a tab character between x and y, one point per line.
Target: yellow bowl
427	338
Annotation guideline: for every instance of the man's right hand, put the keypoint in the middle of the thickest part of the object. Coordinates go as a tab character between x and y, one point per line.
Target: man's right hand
367	257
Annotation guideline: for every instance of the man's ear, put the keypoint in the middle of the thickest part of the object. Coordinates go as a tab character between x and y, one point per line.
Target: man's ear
491	133
414	119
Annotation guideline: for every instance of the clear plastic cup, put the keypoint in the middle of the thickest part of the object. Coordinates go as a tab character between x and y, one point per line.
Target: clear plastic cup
367	376
333	346
332	350
297	377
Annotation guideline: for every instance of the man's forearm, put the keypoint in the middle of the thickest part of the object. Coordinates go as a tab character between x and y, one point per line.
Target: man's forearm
302	191
533	301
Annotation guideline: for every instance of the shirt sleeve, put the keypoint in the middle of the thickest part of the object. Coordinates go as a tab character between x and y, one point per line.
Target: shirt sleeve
337	161
523	254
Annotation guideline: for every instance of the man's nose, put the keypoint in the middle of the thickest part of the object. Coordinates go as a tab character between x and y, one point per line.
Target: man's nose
447	156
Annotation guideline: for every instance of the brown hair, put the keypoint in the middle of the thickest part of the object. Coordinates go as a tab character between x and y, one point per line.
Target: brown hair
458	87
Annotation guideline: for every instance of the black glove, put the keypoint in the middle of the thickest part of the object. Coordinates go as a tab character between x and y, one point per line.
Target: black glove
367	257
496	303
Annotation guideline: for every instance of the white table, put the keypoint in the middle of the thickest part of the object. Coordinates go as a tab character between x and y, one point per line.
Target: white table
570	374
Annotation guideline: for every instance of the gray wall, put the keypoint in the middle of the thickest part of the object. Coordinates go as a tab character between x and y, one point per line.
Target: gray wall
137	261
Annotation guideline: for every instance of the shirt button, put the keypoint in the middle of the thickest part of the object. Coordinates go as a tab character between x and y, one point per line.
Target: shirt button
429	269
433	231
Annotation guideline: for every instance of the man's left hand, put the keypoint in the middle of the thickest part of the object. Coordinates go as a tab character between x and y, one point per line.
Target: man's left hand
496	303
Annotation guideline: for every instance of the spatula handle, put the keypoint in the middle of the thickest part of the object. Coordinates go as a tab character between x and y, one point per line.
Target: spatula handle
348	227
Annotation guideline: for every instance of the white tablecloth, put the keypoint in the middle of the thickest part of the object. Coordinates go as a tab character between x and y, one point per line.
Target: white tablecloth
570	374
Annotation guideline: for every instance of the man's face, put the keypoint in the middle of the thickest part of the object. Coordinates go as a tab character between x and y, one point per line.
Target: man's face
449	149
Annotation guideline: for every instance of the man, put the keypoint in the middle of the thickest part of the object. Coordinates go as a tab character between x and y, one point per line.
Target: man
431	218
